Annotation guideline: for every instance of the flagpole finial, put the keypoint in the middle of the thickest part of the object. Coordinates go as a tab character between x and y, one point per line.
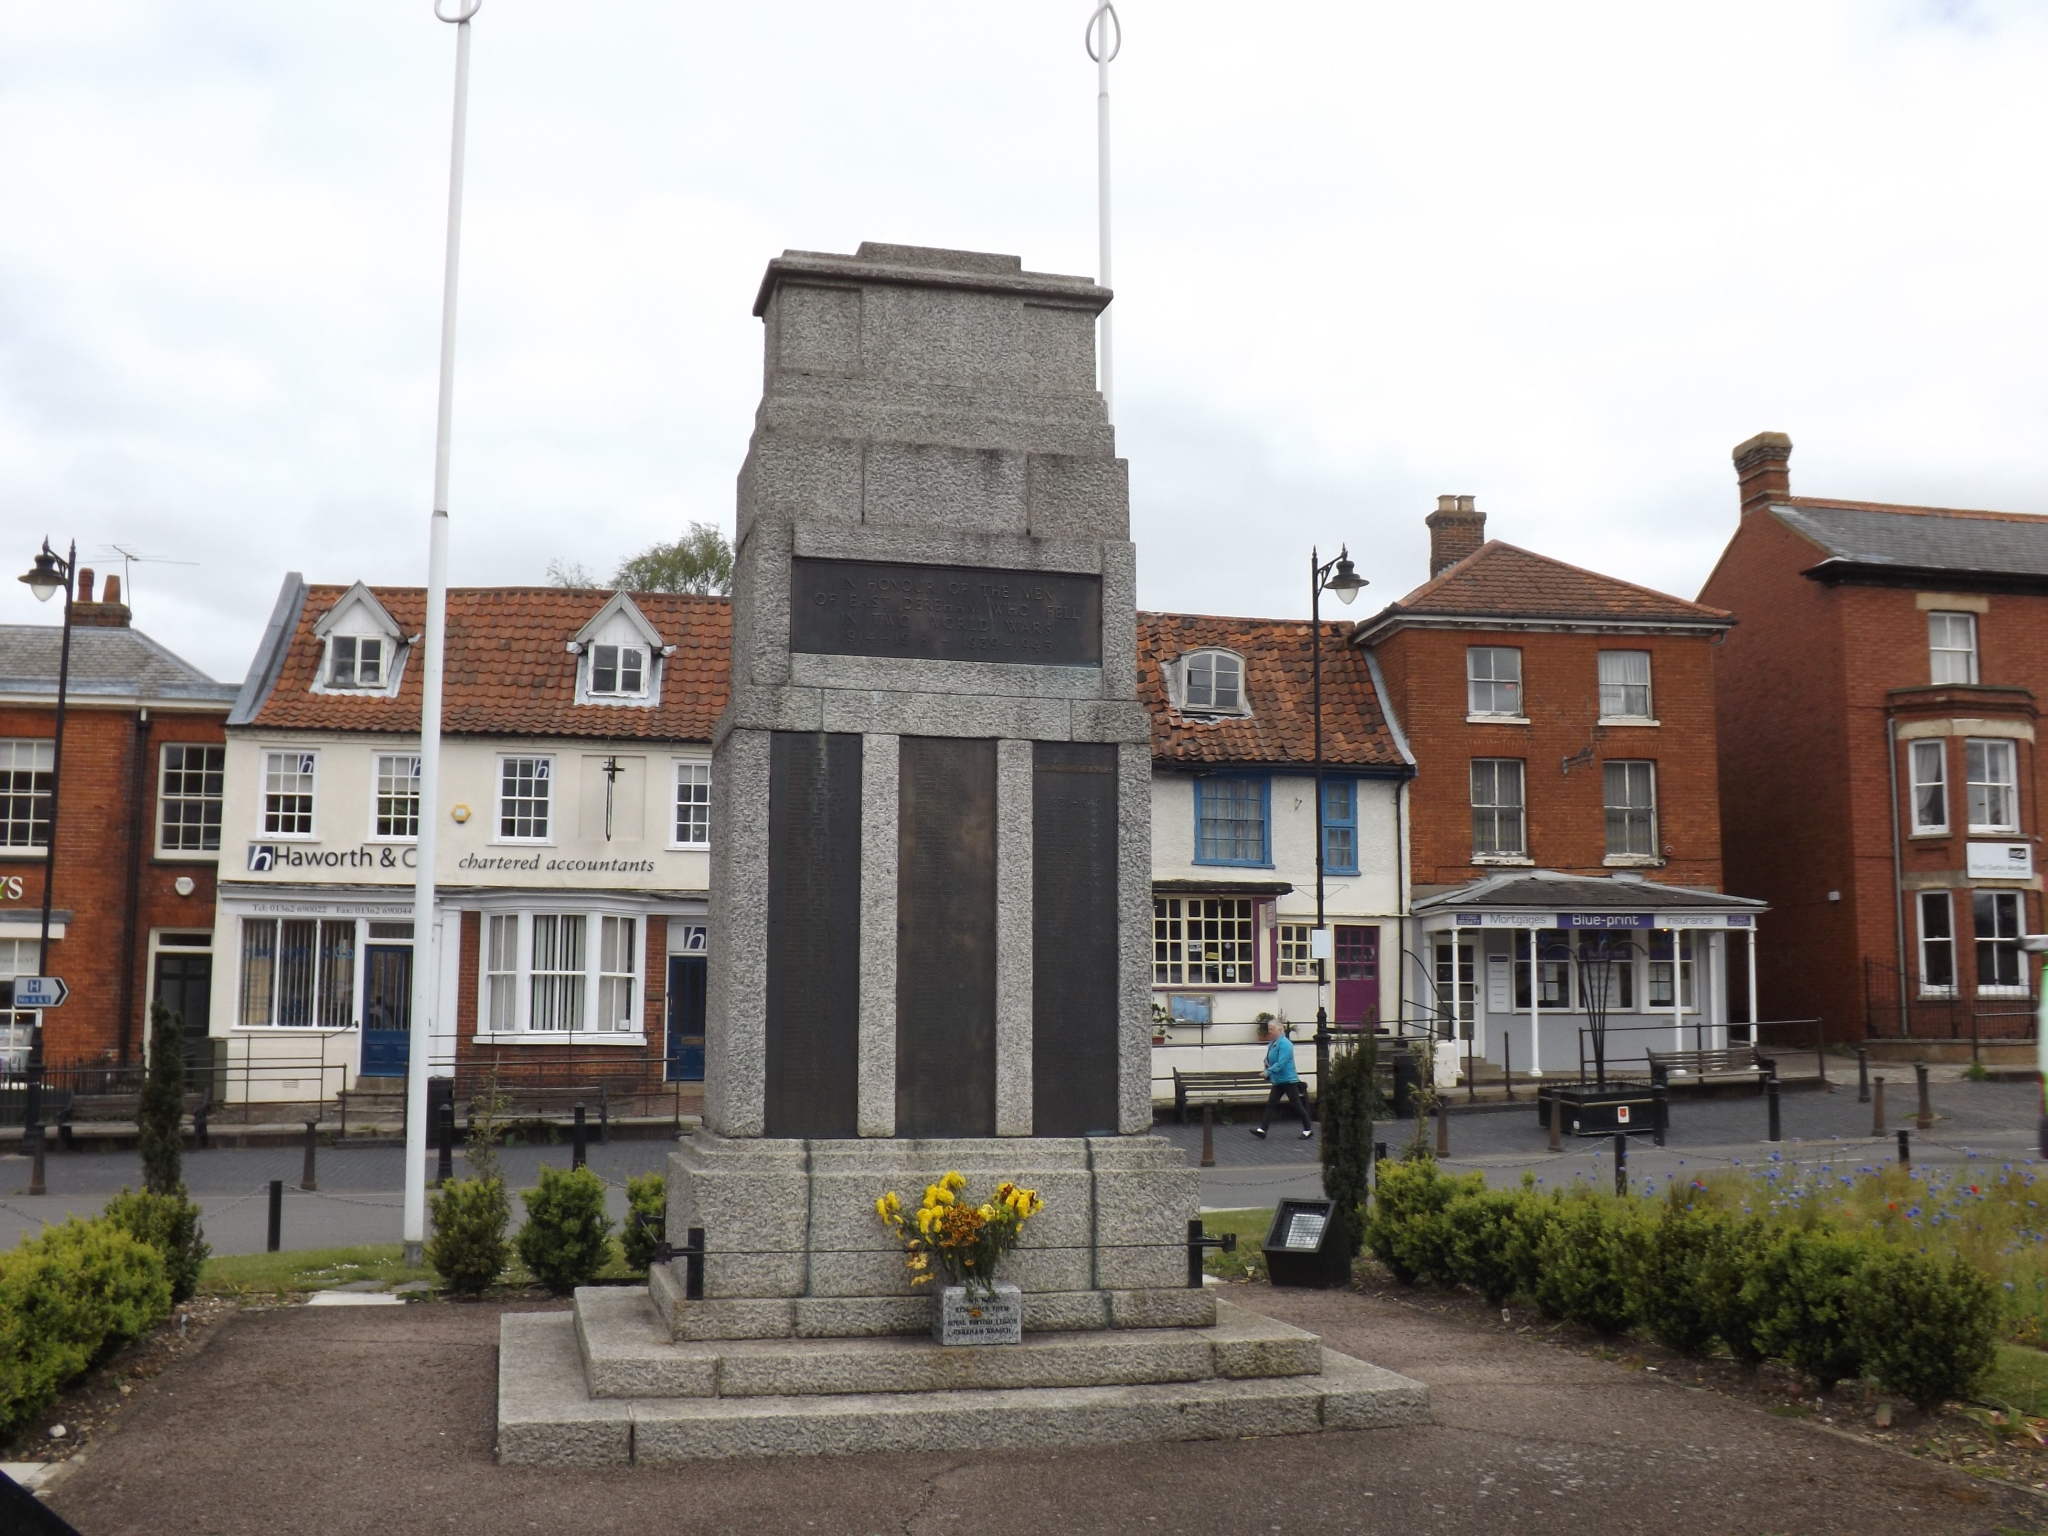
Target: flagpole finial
464	9
1105	18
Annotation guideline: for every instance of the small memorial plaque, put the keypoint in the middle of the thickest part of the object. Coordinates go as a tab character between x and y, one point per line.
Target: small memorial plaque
944	612
1305	1231
997	1319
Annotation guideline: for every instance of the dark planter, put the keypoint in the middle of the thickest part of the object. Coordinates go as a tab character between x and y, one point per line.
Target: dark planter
1591	1111
1305	1248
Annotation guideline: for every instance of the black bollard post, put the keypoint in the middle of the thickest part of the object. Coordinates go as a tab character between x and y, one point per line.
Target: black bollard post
1621	1162
1862	1075
1208	1135
306	1179
1771	1089
1877	1105
276	1216
1660	1111
445	1168
1556	1121
1925	1119
580	1133
1507	1064
36	1184
1905	1149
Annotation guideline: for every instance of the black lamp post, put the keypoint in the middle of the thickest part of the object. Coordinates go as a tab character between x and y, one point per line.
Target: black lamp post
47	577
1336	576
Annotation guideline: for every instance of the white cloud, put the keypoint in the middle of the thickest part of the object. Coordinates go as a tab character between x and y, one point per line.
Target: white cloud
1562	259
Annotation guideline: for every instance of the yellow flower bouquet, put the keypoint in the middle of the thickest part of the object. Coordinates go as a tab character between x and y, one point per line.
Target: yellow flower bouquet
965	1242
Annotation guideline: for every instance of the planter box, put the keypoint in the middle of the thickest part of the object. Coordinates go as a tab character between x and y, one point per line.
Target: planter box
1590	1111
997	1319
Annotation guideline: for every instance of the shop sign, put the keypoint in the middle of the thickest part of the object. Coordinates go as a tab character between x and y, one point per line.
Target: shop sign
2000	861
273	858
1605	920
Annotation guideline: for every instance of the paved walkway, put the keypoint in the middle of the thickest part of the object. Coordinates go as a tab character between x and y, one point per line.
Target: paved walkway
380	1422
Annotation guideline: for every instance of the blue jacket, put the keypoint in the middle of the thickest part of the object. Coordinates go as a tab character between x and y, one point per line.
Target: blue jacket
1280	1062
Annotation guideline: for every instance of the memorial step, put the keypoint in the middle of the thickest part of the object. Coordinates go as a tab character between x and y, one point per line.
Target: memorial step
546	1417
627	1354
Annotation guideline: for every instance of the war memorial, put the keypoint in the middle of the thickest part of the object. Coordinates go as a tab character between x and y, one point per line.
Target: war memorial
931	936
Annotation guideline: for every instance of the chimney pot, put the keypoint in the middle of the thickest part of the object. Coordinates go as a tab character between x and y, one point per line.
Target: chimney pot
111	593
1456	529
1763	470
84	585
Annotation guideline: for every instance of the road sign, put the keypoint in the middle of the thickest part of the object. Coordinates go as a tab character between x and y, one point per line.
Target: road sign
40	991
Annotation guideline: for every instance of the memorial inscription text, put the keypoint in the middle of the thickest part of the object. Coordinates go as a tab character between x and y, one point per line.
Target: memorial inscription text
944	612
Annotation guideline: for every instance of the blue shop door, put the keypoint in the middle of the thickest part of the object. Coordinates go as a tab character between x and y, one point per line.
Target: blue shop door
387	1009
685	1018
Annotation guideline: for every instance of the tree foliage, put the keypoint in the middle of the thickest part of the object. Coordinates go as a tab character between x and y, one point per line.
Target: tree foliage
700	562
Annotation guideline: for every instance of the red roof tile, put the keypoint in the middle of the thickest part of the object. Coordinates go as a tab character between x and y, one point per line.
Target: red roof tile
1281	726
1505	581
508	670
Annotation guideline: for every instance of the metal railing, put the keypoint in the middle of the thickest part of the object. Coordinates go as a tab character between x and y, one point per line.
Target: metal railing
1897	1007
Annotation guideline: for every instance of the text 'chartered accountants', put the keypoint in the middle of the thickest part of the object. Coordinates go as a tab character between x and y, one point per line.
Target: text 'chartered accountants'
945	613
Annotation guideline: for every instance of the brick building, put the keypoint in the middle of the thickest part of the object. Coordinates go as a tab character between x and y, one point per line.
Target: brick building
574	854
1234	837
1879	782
1563	725
138	830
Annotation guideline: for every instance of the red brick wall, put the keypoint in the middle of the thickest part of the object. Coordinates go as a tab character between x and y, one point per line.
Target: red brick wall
1566	821
470	957
96	830
654	1005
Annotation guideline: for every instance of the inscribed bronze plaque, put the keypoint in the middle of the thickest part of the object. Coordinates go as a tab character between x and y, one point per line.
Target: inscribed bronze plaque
1074	992
813	981
944	612
946	937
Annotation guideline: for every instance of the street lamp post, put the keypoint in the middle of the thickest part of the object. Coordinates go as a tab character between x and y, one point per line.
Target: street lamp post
1340	577
46	578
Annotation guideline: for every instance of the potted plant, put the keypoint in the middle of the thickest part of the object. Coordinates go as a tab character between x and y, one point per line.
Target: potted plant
1161	1017
966	1243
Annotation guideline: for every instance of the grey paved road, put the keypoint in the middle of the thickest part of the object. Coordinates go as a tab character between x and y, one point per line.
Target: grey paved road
380	1422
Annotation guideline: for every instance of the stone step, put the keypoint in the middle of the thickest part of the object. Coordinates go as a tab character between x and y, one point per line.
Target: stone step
627	1354
545	1417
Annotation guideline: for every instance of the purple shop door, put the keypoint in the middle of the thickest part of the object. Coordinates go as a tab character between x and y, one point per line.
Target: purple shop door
1358	976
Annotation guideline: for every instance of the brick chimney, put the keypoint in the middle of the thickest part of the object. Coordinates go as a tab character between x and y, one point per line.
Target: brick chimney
108	613
1763	470
1456	529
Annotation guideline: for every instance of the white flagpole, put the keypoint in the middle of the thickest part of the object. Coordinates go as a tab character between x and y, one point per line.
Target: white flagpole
425	952
1105	41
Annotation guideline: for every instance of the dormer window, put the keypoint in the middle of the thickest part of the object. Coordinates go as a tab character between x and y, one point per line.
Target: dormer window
1212	683
618	670
355	661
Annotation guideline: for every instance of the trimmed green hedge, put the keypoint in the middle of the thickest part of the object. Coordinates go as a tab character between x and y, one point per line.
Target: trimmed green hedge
1692	1275
69	1298
567	1236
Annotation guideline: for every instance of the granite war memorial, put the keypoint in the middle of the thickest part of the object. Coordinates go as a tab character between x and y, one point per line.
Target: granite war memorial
931	932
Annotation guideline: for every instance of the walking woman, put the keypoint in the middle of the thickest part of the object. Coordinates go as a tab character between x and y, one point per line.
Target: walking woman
1286	1083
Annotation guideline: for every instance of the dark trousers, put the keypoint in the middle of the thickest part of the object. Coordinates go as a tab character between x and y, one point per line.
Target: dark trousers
1284	1093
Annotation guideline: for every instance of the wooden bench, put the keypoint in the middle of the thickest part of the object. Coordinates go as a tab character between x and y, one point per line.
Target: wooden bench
554	1104
1217	1088
126	1108
1735	1063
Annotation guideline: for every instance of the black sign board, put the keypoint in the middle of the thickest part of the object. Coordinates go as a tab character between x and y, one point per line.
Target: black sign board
1074	928
944	612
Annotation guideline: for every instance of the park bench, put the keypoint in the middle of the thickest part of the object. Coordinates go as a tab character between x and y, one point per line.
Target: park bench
1217	1088
126	1109
555	1104
1733	1064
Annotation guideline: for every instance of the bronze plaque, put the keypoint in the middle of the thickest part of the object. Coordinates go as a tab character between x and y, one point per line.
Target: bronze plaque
1074	993
813	981
944	612
946	938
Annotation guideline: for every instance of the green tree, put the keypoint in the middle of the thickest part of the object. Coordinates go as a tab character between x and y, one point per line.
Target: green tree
1347	1105
163	1104
700	562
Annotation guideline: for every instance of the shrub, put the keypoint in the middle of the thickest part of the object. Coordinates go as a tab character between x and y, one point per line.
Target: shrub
1479	1228
169	1224
67	1299
1533	1216
646	1195
1806	1280
1924	1327
1671	1283
1347	1104
567	1236
488	1108
1739	1279
1407	1230
162	1111
1583	1261
468	1249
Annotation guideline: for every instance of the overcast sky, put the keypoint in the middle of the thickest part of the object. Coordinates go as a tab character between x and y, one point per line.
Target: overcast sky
1560	257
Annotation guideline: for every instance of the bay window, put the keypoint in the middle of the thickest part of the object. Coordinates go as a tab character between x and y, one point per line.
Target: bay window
1937	944
1992	783
1203	941
560	975
2001	968
1928	768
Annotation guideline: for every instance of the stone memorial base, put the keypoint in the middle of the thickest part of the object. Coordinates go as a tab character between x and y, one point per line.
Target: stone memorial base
958	1318
606	1384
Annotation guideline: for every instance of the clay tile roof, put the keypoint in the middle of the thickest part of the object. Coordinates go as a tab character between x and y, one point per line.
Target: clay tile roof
1281	726
1504	581
509	672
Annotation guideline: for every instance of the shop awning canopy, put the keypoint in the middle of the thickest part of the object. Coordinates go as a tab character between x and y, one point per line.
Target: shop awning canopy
1544	898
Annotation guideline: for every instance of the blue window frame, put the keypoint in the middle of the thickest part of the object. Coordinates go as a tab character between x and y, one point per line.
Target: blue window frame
1232	817
1340	826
